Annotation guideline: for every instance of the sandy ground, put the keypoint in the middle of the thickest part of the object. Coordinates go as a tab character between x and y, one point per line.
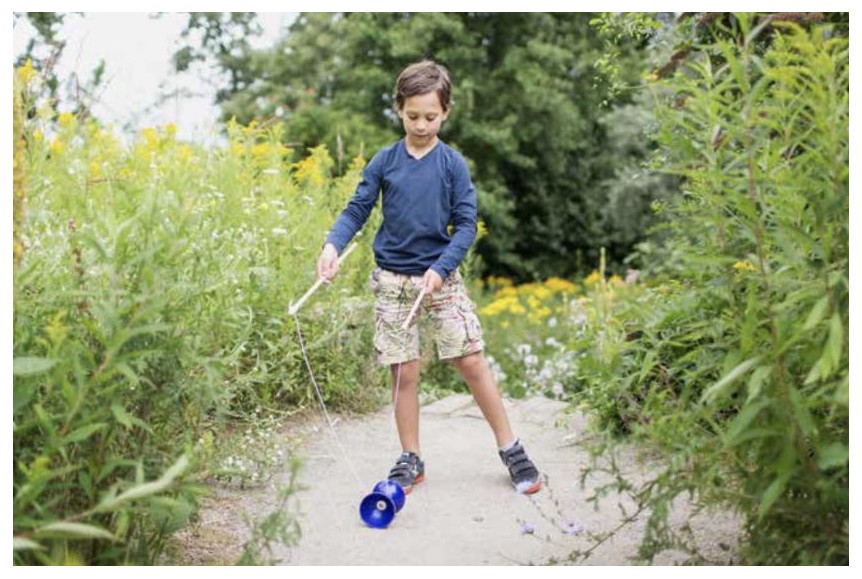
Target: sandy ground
465	513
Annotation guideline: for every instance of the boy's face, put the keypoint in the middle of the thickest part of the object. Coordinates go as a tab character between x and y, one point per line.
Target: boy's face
422	116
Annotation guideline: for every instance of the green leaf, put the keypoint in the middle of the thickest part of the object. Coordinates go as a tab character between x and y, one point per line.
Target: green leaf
817	313
29	365
64	530
719	387
121	415
800	412
834	455
755	382
128	420
84	432
753	434
146	489
22	394
111	465
22	544
772	493
819	370
86	482
742	420
836	339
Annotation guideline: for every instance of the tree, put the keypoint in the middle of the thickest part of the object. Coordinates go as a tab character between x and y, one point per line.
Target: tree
527	109
43	51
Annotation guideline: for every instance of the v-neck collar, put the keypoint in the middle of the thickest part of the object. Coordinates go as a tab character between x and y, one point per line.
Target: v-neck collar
427	154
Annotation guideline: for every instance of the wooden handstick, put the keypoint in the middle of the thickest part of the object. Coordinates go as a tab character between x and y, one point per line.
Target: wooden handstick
293	308
413	311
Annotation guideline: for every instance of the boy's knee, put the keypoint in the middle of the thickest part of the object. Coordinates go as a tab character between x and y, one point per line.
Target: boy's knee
469	362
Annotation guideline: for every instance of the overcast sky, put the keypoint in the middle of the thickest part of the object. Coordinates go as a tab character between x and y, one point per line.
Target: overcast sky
137	49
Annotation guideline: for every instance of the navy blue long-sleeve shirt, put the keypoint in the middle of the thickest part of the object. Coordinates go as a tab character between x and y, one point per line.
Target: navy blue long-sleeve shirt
421	198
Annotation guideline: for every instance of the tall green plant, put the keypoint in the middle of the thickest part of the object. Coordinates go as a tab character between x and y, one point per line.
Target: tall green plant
149	310
741	372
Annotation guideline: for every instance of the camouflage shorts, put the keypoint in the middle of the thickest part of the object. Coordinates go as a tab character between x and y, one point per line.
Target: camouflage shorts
449	316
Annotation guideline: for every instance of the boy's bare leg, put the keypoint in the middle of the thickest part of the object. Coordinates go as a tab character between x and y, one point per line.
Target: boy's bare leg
407	404
478	376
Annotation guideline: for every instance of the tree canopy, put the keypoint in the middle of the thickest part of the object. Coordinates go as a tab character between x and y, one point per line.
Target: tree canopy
528	107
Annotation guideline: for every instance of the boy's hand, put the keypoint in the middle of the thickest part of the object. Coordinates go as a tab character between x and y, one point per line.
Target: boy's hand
431	282
327	263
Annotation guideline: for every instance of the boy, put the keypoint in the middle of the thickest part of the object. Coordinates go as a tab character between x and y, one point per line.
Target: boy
426	187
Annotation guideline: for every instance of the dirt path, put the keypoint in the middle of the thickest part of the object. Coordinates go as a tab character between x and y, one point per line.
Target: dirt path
465	513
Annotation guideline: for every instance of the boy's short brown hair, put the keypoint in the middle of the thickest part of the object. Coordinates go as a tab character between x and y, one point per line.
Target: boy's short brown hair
421	78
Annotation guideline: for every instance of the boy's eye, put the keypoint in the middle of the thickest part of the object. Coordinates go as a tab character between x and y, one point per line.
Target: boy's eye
429	118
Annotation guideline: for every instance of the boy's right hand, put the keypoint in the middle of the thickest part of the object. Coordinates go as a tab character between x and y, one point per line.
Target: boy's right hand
327	263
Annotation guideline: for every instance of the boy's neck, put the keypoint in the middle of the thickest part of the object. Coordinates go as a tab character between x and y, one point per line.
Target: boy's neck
417	151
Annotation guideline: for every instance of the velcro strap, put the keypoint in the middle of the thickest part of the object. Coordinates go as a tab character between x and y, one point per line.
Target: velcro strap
520	466
400	468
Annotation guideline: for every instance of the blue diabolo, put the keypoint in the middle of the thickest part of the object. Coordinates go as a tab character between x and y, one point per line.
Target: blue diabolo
378	508
393	490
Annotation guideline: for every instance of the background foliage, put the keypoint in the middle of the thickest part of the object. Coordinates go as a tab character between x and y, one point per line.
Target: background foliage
529	110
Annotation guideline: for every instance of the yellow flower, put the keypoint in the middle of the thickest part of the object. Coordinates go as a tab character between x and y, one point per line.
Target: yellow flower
593	278
556	284
27	72
57	145
505	292
151	137
38	136
481	229
541	292
538	315
616	280
66	120
308	170
171	130
357	164
494	281
504	304
742	266
260	150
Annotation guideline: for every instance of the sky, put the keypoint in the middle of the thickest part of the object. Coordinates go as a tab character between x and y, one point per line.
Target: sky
137	49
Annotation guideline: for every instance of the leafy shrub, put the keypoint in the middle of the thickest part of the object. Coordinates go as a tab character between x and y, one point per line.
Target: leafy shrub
151	286
740	369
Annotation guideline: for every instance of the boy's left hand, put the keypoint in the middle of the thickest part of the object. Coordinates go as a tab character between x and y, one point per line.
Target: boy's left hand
432	282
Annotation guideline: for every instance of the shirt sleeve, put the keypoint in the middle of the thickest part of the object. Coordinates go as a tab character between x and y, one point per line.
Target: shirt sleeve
359	208
464	217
